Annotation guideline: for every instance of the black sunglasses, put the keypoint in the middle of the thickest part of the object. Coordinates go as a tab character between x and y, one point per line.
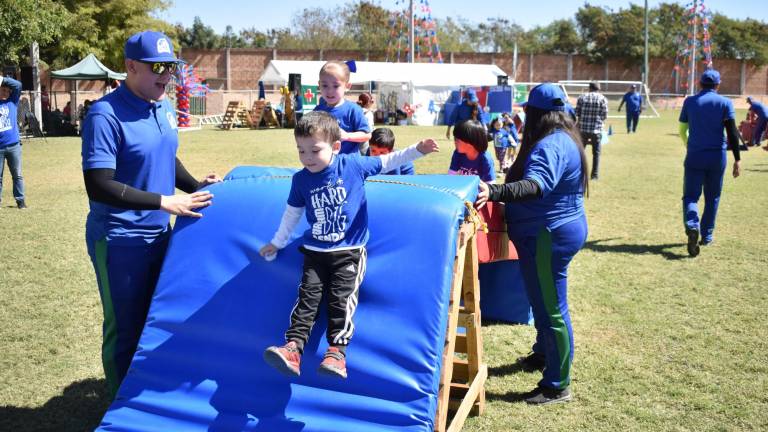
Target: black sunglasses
159	68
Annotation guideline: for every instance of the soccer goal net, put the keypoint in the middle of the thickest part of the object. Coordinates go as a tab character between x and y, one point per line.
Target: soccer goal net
614	92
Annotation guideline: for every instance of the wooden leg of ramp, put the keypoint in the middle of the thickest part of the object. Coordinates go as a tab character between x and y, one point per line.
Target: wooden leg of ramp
463	375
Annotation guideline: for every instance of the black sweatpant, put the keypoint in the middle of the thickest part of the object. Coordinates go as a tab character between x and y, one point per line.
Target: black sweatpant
333	277
593	139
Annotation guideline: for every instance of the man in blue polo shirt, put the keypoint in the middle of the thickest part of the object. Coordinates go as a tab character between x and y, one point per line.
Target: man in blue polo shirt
468	108
762	119
704	116
10	144
131	172
634	102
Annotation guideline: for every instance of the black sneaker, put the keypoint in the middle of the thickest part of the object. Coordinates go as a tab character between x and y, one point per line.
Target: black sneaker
21	204
532	362
545	396
693	241
703	242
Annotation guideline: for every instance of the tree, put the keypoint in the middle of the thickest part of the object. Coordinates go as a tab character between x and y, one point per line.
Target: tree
596	29
200	36
367	25
561	37
739	39
101	27
25	21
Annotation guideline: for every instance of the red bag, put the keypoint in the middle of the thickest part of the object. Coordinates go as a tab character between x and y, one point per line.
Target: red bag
495	244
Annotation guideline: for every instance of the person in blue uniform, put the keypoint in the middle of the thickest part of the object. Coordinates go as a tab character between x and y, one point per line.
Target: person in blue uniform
634	102
544	195
762	120
334	84
468	109
702	120
130	168
330	188
10	142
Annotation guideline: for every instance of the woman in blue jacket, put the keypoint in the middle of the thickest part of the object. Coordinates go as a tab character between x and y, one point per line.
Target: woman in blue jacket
544	191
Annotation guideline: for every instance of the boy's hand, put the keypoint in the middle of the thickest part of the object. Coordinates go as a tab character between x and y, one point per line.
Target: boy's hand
269	251
428	146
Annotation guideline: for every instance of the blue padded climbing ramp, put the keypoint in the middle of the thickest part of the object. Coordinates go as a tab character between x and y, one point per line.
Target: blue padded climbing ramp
218	305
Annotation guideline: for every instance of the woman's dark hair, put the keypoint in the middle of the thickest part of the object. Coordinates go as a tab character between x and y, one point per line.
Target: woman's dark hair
364	99
472	132
538	124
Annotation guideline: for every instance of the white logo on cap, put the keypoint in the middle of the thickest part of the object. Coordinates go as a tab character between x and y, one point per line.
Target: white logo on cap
163	46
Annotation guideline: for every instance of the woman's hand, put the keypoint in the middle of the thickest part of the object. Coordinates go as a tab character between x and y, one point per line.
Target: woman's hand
183	205
208	180
482	195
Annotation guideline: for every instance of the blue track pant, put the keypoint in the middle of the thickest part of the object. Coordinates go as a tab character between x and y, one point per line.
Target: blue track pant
544	259
706	176
632	120
757	134
127	276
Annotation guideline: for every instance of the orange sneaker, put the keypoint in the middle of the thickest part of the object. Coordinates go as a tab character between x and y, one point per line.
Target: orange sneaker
286	359
334	363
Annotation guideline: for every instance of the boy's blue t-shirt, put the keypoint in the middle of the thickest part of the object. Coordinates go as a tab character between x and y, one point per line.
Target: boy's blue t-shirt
505	137
555	165
482	166
633	102
137	139
706	113
404	169
351	119
9	126
759	109
334	201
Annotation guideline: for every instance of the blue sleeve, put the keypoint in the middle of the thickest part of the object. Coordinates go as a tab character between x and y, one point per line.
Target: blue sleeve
487	173
407	169
684	112
101	137
454	161
451	121
545	166
730	113
15	87
368	165
359	122
295	198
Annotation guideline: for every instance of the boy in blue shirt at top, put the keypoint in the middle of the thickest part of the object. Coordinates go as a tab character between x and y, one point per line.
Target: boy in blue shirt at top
334	83
634	102
382	143
331	188
704	116
10	144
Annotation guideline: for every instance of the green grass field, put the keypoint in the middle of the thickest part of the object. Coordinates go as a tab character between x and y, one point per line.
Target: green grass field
663	342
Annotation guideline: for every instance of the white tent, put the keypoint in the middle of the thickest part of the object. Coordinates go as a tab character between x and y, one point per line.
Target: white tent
419	84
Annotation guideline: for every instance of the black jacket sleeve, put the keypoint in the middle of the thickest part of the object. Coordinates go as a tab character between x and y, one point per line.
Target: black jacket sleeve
184	179
516	191
101	187
733	138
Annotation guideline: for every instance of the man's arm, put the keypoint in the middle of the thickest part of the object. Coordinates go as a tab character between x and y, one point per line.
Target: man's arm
15	87
733	141
683	132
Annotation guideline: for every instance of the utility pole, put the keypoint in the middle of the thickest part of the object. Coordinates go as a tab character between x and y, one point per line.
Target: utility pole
37	105
645	60
411	33
692	81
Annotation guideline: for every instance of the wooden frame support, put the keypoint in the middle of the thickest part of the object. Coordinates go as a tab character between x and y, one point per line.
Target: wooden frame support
463	375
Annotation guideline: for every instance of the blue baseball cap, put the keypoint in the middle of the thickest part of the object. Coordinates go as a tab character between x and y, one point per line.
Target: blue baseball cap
471	95
150	46
710	76
548	97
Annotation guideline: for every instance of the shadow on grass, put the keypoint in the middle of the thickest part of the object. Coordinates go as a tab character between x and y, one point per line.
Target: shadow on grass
509	369
80	407
636	249
512	396
757	170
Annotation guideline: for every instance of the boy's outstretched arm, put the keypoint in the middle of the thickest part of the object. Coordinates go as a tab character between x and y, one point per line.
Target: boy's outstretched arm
393	160
357	137
291	217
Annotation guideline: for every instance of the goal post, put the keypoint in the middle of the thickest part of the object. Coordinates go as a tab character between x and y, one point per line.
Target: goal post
613	91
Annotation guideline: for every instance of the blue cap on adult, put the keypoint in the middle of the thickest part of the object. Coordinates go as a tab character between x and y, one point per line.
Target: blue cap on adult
547	97
471	95
150	46
710	76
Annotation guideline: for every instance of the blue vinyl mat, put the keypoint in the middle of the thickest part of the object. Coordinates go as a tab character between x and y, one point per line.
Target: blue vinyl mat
218	305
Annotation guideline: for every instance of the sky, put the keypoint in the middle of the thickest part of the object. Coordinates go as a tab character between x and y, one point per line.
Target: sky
264	14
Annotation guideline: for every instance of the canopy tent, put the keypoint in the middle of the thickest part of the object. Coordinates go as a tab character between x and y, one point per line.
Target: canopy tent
424	86
88	69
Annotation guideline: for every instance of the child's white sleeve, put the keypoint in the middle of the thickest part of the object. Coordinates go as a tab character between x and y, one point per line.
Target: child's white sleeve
291	217
393	160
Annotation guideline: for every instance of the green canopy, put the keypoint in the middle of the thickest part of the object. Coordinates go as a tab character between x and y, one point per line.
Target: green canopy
89	68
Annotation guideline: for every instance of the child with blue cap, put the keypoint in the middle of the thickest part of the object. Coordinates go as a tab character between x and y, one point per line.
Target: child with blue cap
702	120
544	195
